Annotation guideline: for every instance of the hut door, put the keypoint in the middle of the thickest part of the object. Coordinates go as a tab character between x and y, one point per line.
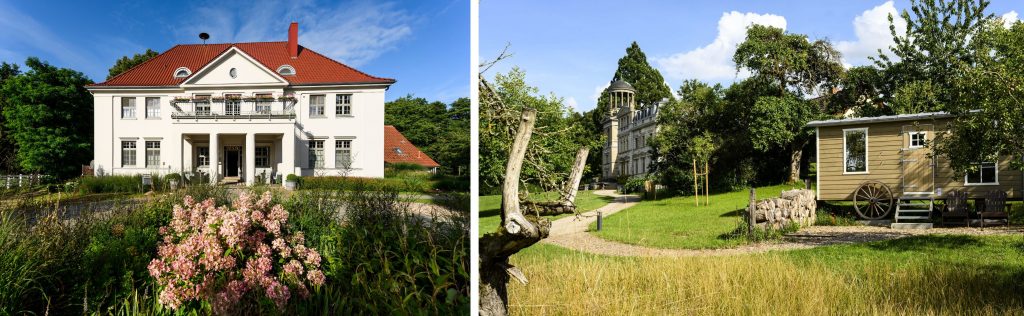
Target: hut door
917	165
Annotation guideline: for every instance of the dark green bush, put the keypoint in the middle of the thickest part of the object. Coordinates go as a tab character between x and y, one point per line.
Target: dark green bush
634	185
450	183
402	166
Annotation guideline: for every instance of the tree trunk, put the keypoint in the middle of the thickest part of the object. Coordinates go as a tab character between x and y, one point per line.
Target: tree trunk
517	233
795	159
573	185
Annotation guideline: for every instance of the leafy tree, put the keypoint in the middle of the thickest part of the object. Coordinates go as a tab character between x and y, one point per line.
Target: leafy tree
987	97
7	147
555	140
125	62
795	67
440	131
681	122
49	115
938	38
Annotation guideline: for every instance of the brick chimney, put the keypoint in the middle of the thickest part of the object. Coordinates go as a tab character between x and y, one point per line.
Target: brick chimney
293	40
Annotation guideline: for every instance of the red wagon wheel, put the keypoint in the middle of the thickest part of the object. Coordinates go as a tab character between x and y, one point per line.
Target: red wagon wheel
873	200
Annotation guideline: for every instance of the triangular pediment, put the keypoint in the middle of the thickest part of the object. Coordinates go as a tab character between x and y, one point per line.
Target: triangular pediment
234	67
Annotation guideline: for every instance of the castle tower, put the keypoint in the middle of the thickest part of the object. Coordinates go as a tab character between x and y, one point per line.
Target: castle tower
621	102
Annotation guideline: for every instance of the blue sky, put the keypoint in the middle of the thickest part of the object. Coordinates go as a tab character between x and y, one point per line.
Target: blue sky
571	48
424	45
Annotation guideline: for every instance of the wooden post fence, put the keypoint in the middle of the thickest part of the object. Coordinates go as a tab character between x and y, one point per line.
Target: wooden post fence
750	211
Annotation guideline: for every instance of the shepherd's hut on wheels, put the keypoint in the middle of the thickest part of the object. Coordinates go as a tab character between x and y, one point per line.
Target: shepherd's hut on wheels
884	166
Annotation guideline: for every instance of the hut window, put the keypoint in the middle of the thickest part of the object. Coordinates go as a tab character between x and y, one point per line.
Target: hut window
855	150
918	139
986	173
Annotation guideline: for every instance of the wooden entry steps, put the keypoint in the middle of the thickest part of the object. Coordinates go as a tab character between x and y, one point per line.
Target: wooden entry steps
913	212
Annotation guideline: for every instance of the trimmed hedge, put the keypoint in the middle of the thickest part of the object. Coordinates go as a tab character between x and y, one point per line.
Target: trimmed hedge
119	184
365	184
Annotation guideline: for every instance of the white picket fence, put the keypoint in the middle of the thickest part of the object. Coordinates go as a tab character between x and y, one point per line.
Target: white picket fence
20	180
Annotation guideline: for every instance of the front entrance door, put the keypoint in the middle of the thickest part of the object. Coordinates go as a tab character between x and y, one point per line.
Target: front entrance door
918	167
231	157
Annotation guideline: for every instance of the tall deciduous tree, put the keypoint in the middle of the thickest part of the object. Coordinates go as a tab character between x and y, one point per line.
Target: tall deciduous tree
987	98
938	37
49	115
7	146
125	62
439	130
797	68
556	139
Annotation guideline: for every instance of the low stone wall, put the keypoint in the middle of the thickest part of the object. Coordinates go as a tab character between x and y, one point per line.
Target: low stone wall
793	206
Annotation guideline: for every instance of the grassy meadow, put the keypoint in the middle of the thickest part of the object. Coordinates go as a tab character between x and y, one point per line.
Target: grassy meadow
946	275
676	223
490	207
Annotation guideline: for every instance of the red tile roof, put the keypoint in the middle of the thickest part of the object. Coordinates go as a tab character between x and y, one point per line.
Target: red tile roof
409	153
310	66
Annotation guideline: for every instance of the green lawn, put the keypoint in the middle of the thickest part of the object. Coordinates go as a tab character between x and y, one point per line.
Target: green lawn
490	207
677	223
937	274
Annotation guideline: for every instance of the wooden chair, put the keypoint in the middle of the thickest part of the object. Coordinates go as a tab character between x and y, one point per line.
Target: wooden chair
995	207
956	208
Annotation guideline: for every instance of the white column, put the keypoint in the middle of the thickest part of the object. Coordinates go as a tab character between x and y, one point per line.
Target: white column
250	158
287	154
214	158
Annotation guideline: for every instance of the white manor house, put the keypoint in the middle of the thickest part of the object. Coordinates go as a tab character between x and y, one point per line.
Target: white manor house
240	112
627	129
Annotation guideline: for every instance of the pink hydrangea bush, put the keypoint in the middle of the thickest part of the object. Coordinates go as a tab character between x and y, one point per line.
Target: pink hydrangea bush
225	256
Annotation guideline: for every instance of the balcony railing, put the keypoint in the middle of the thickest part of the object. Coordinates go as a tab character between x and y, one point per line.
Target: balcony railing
227	115
241	109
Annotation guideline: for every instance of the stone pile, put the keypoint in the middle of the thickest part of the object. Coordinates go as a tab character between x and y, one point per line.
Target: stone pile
793	206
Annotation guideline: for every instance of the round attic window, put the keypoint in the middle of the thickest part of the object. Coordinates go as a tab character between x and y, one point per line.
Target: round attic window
286	70
233	72
182	72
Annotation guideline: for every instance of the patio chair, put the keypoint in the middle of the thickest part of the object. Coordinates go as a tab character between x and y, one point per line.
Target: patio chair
995	207
956	208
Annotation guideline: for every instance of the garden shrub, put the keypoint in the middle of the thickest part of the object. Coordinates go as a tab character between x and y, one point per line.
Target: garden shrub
634	185
364	184
228	257
119	184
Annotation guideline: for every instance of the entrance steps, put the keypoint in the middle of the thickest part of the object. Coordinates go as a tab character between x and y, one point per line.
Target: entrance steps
913	212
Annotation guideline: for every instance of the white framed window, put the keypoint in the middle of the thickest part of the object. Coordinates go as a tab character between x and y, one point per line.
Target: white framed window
263	101
262	156
202	104
918	139
232	104
127	108
152	153
855	150
316	105
316	153
152	107
987	173
343	153
203	156
343	104
128	148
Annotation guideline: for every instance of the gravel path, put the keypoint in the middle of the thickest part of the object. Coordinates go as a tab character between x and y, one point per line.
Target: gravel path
570	232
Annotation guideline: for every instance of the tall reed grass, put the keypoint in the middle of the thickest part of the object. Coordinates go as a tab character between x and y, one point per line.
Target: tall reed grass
834	282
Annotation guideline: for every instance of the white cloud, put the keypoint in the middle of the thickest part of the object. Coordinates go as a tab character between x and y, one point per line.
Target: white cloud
353	33
872	30
714	61
571	102
1009	18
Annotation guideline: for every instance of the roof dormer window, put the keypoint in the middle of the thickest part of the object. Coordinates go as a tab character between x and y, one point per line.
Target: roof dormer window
286	70
182	72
